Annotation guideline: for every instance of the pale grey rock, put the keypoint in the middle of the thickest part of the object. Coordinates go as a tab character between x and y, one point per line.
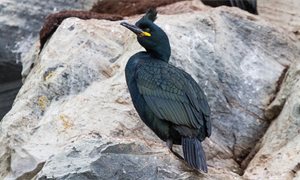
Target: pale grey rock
238	74
285	14
278	156
20	23
21	20
97	158
73	118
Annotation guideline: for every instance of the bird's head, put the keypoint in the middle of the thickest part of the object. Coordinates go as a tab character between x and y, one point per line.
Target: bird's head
150	36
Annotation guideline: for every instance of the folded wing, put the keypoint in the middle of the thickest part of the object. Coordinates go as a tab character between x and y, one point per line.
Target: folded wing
173	95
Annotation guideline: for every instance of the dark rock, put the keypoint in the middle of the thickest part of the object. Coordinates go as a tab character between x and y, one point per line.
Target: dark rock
8	92
10	82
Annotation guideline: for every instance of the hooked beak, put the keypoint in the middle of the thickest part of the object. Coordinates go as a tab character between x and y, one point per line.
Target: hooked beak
138	31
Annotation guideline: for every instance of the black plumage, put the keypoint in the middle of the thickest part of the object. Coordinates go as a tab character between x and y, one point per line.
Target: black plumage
247	5
167	99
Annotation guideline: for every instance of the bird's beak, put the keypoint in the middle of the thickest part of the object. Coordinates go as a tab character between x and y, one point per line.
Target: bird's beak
138	31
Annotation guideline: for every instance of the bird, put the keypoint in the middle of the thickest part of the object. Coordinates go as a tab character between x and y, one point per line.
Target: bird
247	5
167	99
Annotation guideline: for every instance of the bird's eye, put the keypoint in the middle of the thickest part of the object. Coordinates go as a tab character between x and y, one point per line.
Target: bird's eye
146	29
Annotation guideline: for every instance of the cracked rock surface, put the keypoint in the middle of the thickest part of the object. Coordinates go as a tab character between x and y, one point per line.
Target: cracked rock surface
278	156
20	23
73	117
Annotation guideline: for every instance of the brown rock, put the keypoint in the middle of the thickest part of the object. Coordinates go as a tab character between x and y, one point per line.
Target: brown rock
108	9
54	20
128	7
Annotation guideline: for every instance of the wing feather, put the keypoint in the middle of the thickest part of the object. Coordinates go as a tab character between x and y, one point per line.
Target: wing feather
172	94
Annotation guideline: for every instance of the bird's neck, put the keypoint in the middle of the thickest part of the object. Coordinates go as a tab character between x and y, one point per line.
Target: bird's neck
160	53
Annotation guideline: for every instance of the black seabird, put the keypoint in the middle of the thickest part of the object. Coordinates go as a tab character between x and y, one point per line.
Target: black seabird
167	99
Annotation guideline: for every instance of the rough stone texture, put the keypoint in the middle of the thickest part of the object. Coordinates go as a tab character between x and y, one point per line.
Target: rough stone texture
282	13
54	20
20	22
285	13
109	10
116	9
279	152
73	118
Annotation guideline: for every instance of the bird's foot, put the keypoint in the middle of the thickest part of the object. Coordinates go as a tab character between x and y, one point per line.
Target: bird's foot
170	145
177	155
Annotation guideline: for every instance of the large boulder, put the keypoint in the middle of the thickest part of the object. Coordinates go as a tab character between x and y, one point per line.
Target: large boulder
73	117
278	153
20	23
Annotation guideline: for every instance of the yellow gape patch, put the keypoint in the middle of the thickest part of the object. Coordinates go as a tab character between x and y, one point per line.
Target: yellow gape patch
145	34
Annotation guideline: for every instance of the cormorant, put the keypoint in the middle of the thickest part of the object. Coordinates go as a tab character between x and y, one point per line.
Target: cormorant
247	5
167	99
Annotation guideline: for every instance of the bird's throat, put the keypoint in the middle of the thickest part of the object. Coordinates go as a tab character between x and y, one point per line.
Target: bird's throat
163	54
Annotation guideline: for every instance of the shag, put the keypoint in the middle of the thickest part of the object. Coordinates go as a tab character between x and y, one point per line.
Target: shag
247	5
167	99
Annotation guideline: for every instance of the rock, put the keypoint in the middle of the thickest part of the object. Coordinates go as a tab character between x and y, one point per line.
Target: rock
116	9
10	83
106	9
128	7
122	160
21	21
282	13
73	117
278	156
8	92
54	20
19	27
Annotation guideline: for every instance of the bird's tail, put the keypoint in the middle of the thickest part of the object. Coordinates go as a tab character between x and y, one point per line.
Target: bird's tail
193	153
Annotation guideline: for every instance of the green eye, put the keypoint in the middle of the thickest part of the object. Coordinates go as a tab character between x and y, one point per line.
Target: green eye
146	29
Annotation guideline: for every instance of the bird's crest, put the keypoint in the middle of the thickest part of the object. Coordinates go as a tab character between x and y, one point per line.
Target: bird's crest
151	14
